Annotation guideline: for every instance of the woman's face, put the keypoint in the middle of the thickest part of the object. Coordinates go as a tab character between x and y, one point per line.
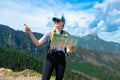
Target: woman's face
59	24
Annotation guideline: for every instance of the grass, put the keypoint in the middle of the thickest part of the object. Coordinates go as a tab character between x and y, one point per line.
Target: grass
95	71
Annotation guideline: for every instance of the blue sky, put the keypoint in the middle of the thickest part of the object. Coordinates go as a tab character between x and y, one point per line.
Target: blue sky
82	16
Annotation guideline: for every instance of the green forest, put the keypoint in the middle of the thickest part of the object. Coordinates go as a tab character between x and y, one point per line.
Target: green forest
18	61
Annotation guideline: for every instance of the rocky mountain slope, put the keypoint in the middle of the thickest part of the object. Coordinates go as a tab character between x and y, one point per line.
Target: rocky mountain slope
94	59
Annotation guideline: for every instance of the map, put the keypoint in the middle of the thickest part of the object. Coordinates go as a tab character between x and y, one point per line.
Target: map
60	40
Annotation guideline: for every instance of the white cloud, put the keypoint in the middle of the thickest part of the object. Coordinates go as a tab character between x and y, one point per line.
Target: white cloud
114	12
38	13
83	18
15	16
101	25
111	36
107	13
117	21
111	1
113	4
102	6
99	28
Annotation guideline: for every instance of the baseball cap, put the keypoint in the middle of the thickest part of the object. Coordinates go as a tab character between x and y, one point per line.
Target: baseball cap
59	18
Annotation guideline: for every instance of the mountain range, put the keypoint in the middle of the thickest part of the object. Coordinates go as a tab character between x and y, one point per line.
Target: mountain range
21	41
95	59
93	42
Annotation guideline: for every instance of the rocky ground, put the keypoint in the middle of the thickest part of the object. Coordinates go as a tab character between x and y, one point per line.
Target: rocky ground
20	78
7	74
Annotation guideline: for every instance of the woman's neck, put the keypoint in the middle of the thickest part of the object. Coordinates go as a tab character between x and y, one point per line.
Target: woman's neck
58	30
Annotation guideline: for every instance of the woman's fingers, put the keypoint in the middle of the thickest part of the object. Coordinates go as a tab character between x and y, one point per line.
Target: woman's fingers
27	29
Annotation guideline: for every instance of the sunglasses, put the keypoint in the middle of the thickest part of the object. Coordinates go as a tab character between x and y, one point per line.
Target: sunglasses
57	21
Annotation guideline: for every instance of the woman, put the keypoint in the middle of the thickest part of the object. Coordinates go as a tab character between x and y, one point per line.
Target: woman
56	55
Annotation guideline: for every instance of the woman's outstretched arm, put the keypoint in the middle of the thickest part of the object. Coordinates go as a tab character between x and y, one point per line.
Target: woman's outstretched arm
35	41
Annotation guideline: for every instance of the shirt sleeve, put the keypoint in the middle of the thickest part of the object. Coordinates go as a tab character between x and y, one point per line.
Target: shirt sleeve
46	36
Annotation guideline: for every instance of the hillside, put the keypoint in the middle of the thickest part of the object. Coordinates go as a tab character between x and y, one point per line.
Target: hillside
20	40
92	64
95	59
93	42
18	61
82	65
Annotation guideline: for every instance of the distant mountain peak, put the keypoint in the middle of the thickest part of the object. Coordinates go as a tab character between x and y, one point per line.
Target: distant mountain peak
93	35
5	27
93	42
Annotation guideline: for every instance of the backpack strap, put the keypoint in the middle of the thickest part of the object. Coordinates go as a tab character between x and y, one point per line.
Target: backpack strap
66	33
51	34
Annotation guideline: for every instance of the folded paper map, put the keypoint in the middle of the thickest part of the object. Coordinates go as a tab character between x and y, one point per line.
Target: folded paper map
64	41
